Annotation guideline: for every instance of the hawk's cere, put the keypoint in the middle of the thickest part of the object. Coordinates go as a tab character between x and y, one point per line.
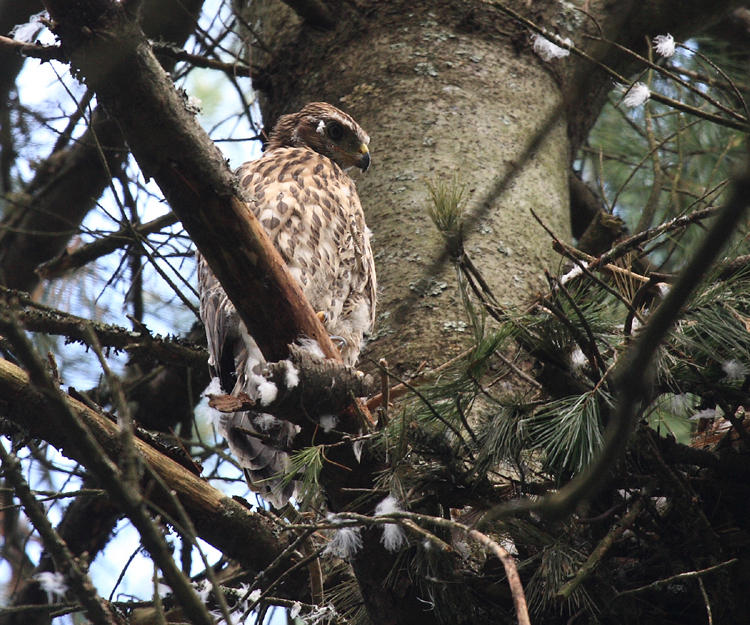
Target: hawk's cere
309	207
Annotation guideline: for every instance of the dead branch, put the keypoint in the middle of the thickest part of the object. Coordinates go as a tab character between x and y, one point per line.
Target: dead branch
659	583
601	549
39	318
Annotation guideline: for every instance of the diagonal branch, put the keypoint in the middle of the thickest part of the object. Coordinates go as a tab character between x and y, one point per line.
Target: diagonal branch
218	519
109	49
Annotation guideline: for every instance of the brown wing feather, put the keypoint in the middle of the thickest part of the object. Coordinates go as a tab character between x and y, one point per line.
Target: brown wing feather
311	211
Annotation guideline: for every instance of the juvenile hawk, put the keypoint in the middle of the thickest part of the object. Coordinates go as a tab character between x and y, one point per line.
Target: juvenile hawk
308	205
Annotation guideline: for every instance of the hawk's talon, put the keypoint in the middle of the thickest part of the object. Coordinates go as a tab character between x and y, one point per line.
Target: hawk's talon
340	340
322	316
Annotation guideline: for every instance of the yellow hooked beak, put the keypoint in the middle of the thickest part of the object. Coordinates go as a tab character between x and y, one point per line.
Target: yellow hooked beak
364	161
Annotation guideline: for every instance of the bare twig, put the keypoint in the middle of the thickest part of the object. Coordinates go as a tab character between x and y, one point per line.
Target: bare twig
511	572
676	578
706	601
68	261
96	608
400	389
197	60
566	250
594	263
129	459
703	94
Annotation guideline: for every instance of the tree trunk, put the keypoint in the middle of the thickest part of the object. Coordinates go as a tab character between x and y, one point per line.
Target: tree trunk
438	88
454	89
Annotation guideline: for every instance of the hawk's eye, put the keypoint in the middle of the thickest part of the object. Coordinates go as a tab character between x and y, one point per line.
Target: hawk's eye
335	131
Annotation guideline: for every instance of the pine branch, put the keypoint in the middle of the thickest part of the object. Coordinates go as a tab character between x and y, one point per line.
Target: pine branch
632	376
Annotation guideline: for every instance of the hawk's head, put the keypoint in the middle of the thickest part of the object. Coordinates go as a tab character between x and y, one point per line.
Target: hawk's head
325	129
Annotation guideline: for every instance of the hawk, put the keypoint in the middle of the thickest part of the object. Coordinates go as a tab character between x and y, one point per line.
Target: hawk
300	192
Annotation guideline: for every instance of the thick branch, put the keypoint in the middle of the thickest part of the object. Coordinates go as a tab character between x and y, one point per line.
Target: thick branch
112	53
